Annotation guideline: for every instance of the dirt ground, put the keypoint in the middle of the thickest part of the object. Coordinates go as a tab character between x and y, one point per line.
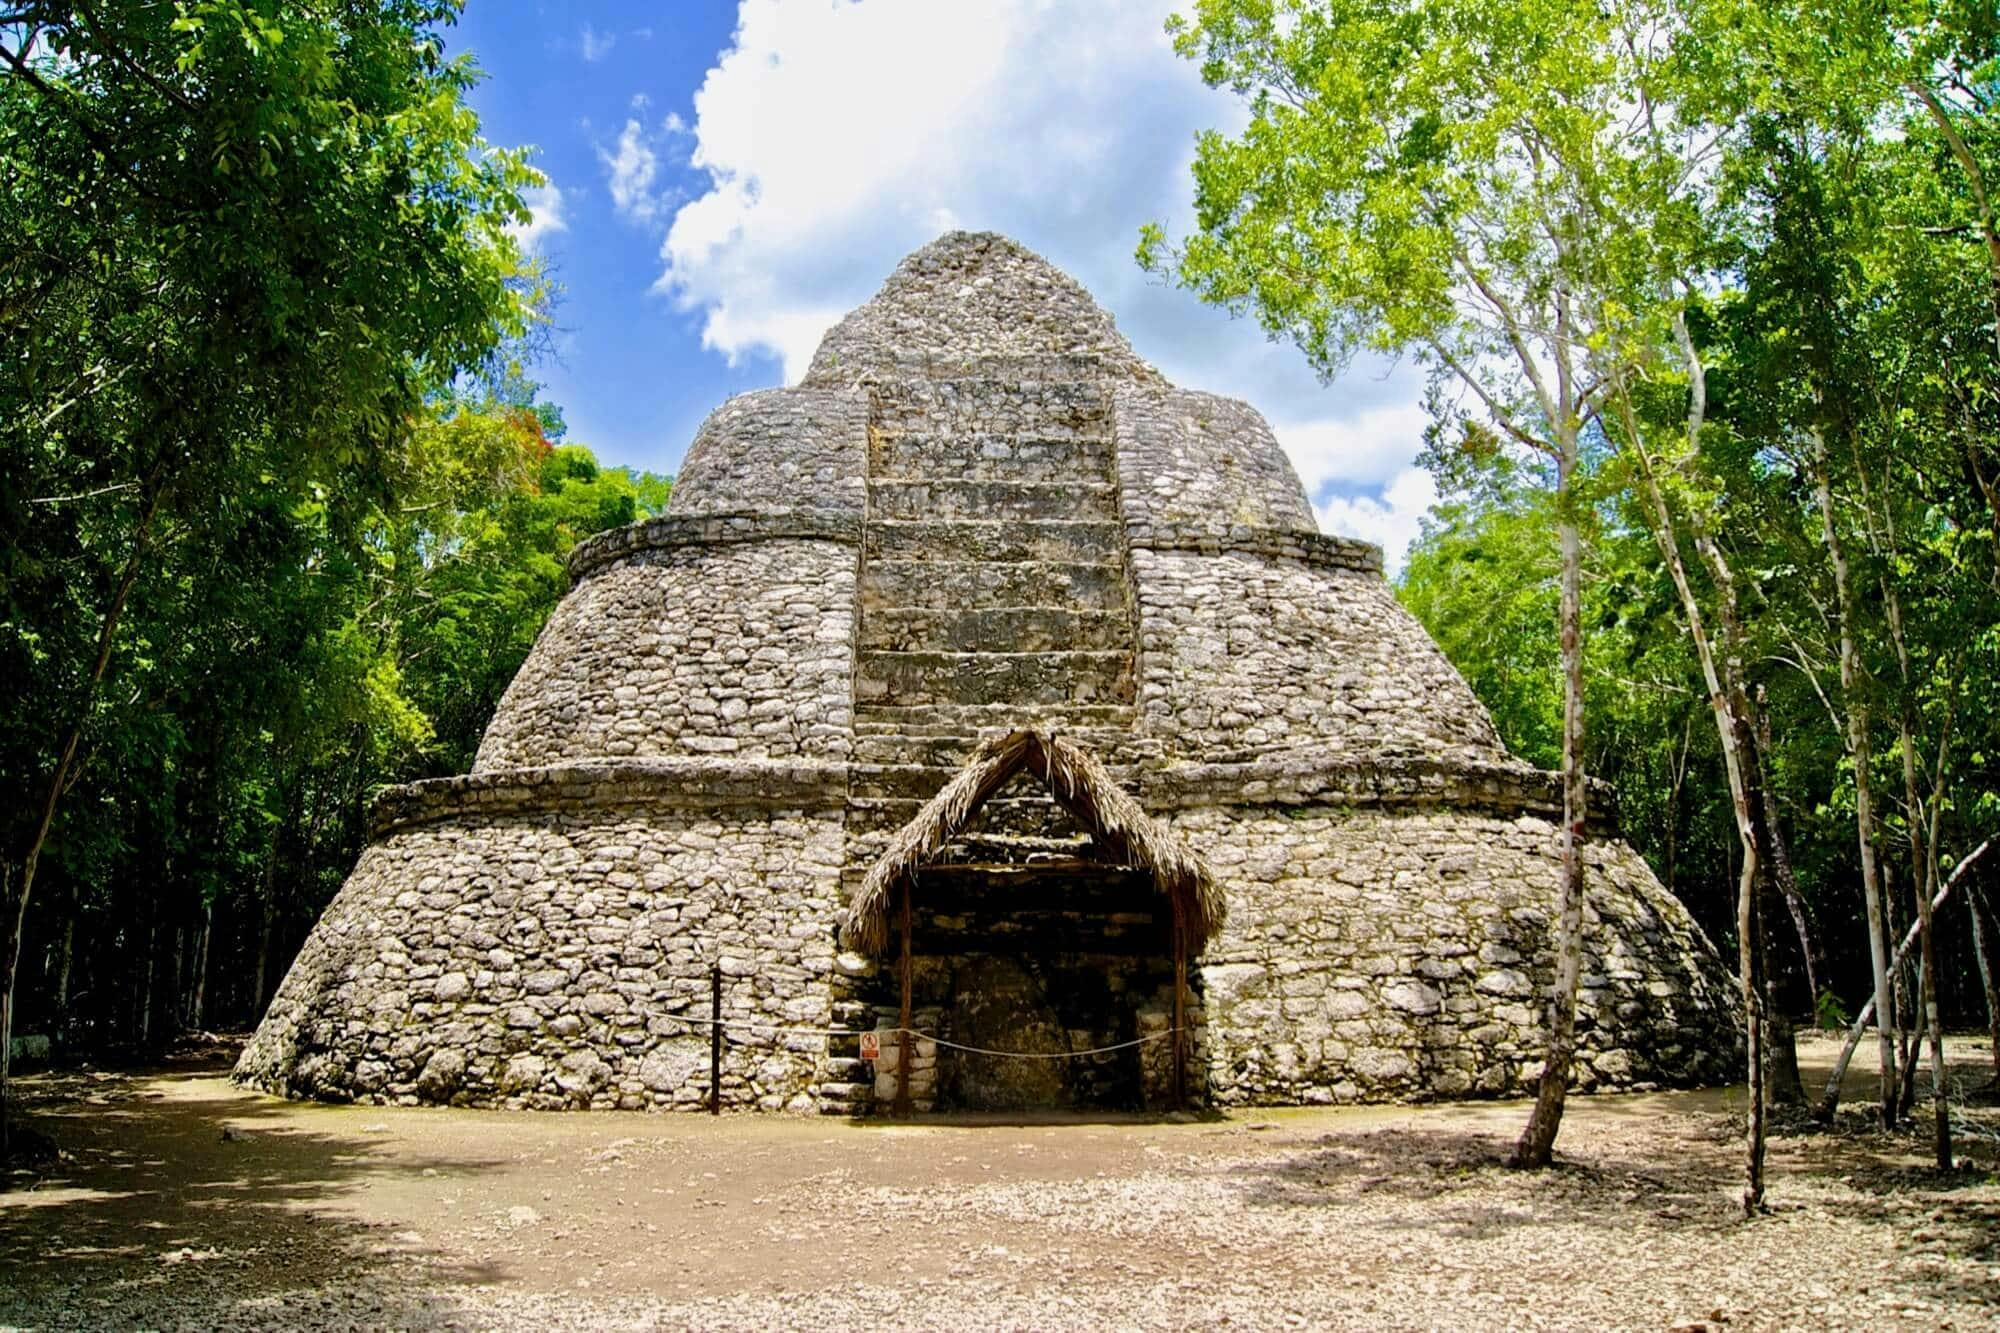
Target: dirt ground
182	1202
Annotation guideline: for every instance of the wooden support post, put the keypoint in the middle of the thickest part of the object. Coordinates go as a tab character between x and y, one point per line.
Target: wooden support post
715	1039
1180	1012
905	1047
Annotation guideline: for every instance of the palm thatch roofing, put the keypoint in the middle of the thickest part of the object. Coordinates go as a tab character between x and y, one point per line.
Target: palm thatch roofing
1082	786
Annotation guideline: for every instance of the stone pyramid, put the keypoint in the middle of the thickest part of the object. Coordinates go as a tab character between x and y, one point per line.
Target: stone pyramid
979	511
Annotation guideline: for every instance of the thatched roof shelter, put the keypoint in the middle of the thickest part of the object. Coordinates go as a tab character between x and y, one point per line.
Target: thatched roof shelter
1082	786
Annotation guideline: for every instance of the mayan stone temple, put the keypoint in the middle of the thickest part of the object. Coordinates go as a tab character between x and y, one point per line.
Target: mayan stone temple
984	685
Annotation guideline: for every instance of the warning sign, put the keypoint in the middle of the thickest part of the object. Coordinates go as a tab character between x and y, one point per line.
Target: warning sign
871	1046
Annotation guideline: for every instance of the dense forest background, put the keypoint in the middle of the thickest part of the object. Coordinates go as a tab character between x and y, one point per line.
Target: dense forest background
282	510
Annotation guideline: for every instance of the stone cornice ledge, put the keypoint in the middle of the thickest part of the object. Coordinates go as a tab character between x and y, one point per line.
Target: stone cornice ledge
720	529
1314	548
725	781
1308	780
700	782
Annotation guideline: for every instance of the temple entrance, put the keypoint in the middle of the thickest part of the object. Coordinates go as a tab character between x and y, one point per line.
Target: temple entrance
1066	965
1036	944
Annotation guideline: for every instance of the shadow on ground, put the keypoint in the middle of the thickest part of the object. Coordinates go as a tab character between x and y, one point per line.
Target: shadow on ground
1682	1174
166	1189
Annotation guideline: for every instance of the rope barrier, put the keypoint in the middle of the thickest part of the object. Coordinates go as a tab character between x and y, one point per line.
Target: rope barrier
1041	1055
780	1029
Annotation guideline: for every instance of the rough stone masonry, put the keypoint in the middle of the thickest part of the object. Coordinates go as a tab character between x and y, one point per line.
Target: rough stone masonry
979	510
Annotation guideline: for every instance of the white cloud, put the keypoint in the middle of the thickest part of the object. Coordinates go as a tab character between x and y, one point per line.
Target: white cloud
1370	448
596	45
631	173
545	217
1391	522
831	139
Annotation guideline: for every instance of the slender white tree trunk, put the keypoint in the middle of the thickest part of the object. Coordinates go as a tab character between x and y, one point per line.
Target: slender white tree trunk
1537	1142
1858	750
1729	732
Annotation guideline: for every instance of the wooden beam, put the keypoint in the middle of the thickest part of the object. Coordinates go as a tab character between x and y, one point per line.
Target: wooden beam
1180	1011
905	1047
715	1039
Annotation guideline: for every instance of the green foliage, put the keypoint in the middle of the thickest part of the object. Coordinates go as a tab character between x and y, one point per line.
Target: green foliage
1667	244
265	440
1483	582
1482	579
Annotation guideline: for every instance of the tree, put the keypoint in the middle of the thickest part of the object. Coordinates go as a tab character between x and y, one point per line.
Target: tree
1485	187
248	237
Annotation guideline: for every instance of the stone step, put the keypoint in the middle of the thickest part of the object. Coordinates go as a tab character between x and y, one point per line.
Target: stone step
996	540
970	584
982	456
932	499
972	720
912	678
1020	629
845	1099
1053	409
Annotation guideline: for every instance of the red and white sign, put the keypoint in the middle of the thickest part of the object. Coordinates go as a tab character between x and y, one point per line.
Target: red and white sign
871	1046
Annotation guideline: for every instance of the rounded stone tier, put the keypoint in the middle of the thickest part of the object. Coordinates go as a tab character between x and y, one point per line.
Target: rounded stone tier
980	510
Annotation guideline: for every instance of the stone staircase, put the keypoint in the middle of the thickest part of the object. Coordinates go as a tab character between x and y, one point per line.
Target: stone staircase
994	593
994	587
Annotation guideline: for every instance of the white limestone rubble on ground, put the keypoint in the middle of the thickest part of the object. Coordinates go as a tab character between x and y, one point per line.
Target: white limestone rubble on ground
980	510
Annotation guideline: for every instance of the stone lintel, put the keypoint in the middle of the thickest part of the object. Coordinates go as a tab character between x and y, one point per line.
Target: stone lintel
672	530
697	782
1312	548
1309	780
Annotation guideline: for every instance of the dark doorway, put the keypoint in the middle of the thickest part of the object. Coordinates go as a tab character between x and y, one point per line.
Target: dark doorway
1052	963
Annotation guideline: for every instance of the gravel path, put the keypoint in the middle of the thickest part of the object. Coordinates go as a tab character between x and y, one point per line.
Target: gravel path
185	1203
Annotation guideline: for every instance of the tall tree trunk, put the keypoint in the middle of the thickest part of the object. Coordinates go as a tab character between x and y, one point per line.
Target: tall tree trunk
1982	952
1782	1084
17	872
1831	1100
145	997
67	956
1923	869
1730	728
1537	1142
1913	1040
1727	729
1782	875
197	1002
1746	796
1864	808
1564	412
173	1010
267	916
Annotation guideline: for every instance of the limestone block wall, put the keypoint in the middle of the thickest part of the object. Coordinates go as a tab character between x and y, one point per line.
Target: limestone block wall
743	648
777	449
1189	459
1375	955
1243	653
536	960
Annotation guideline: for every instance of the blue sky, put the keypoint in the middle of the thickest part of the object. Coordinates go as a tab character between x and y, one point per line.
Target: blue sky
727	179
